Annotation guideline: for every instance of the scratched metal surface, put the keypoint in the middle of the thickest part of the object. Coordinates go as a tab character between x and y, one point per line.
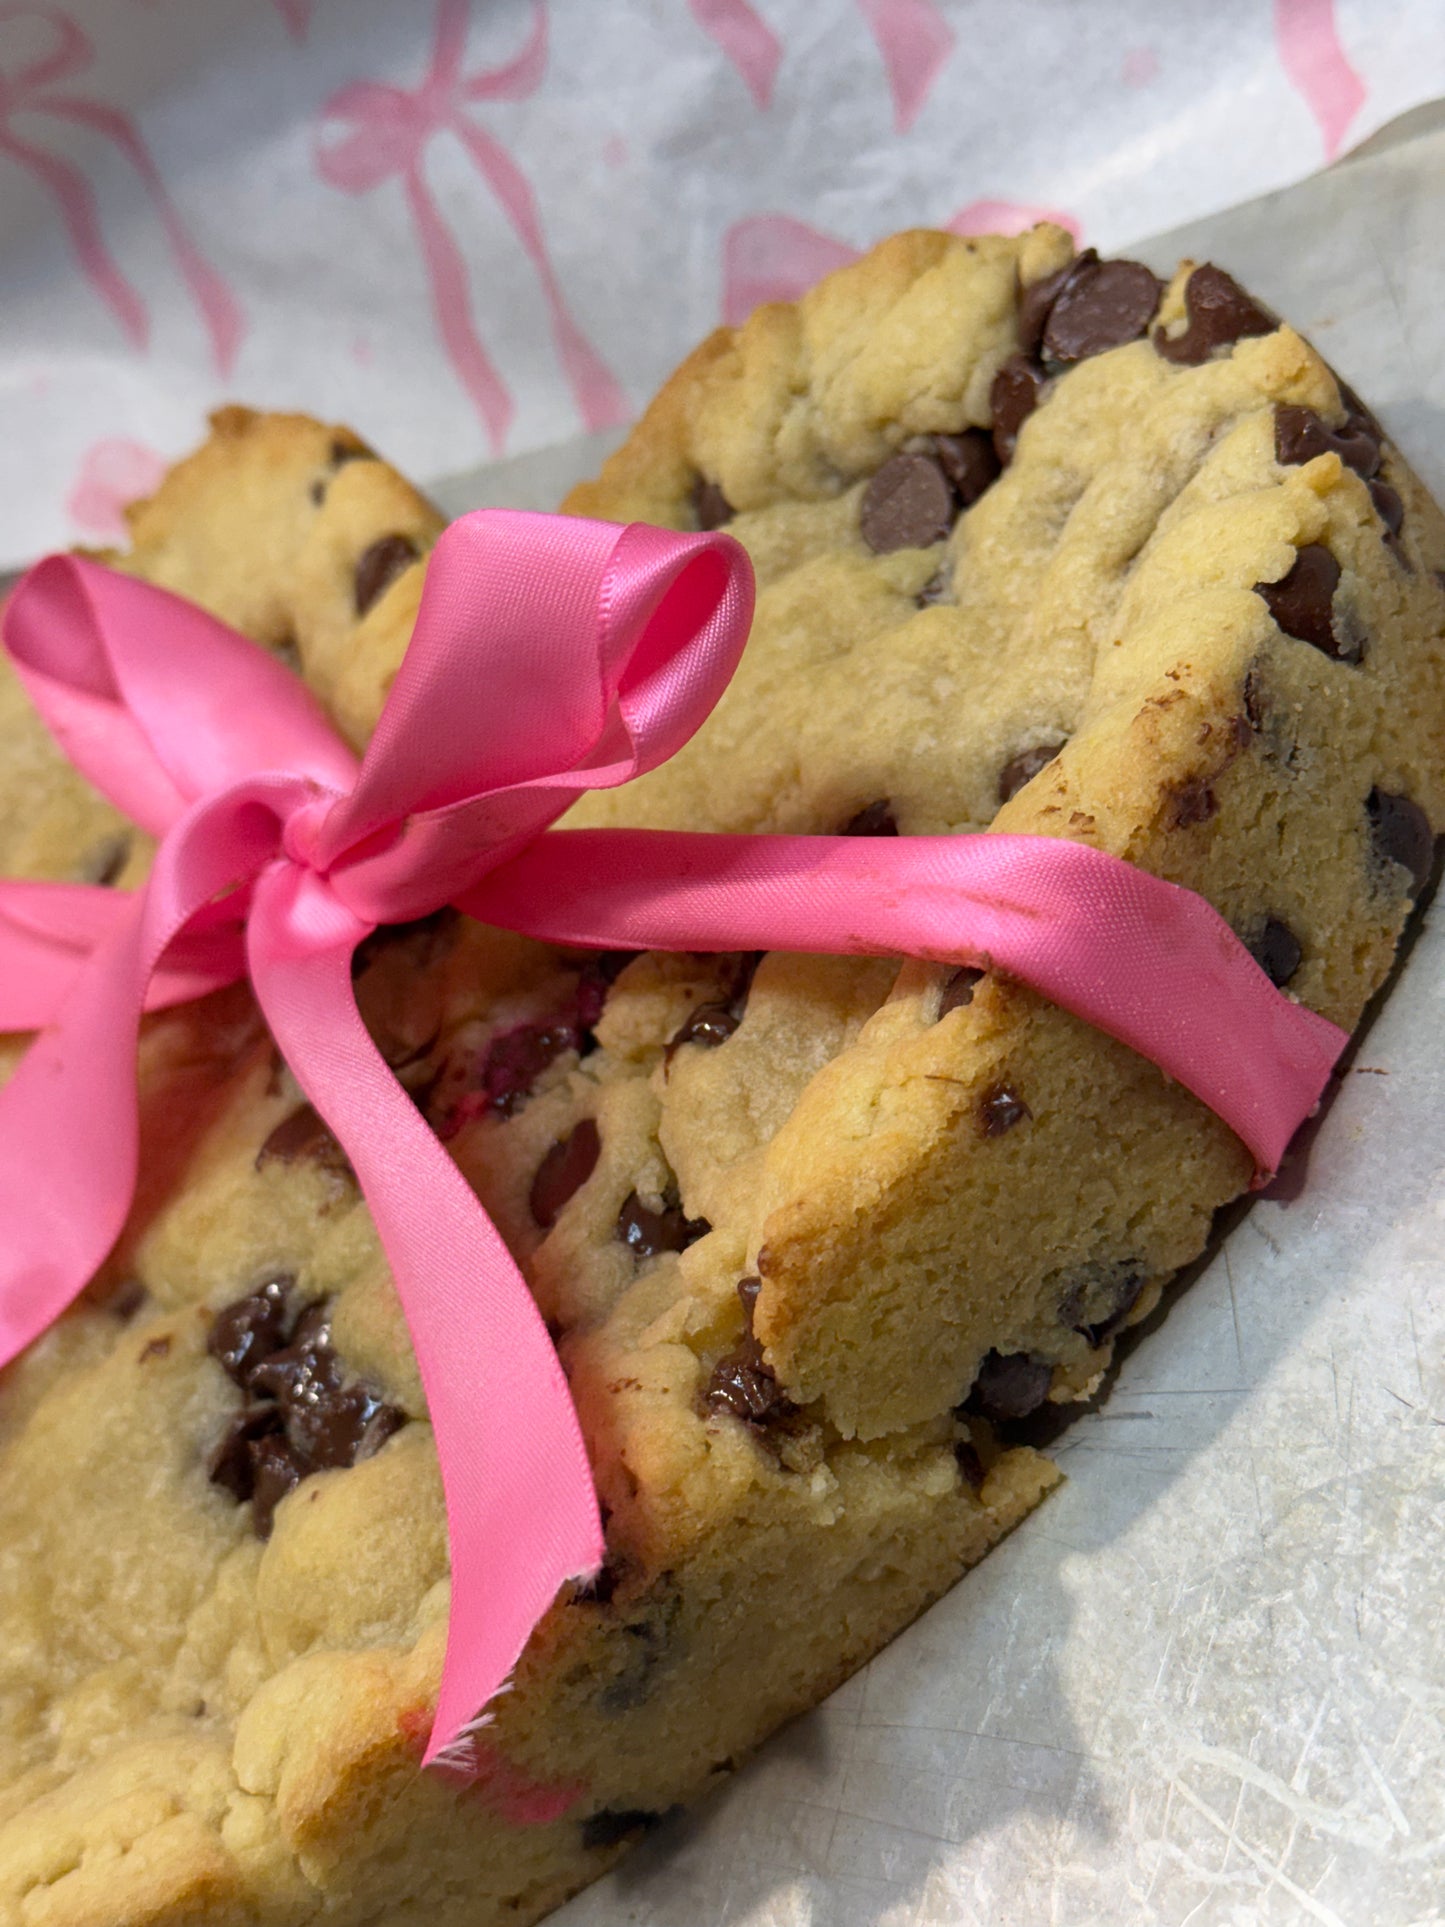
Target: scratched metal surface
1204	1684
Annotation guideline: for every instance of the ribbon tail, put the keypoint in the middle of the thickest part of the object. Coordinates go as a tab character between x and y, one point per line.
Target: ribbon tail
521	1510
1150	963
68	1137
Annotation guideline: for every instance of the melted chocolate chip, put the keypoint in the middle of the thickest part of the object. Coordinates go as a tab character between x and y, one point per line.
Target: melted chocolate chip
1009	1385
276	1469
1039	297
344	452
1024	767
563	1172
303	1416
515	1060
1391	511
1300	434
969	462
232	1463
907	505
710	507
1015	394
1302	602
1400	833
1102	305
1192	803
646	1232
615	1824
246	1333
1099	1300
875	820
304	1137
378	566
1219	312
741	1384
1000	1109
713	1023
126	1300
958	990
1276	949
970	1465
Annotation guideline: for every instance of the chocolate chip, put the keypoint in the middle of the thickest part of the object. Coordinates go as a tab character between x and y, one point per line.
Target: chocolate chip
1102	307
646	1232
1192	803
515	1060
875	820
155	1348
341	1425
1017	389
1009	1385
958	990
1391	511
1400	832
344	452
970	1465
710	507
304	1137
126	1300
1039	297
1300	434
612	1825
713	1023
969	462
600	1591
564	1170
379	565
938	588
1302	602
1276	949
1219	312
277	1468
907	505
104	863
1099	1300
232	1463
741	1384
245	1333
1024	767
1000	1109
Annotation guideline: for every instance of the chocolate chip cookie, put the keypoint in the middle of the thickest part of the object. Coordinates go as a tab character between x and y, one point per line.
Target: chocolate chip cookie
1042	544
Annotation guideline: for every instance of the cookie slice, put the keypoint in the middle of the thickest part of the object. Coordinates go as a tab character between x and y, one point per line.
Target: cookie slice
715	1172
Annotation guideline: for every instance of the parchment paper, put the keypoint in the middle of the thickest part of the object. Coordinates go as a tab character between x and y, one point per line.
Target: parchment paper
1204	1684
474	227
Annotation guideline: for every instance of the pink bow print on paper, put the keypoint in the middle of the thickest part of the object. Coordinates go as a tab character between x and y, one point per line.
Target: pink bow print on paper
549	657
31	89
391	130
1308	38
912	36
772	257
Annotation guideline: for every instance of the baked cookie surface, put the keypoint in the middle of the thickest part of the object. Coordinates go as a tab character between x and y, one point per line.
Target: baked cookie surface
1041	544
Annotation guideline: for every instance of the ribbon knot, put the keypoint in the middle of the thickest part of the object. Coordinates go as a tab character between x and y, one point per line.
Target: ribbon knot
549	657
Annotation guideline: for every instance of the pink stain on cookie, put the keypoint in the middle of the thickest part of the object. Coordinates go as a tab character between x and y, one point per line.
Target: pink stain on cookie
1009	217
747	40
772	257
389	132
1141	65
1310	52
472	1762
113	473
34	86
915	41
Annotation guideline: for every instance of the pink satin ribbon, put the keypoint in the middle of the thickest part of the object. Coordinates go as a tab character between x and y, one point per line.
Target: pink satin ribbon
549	657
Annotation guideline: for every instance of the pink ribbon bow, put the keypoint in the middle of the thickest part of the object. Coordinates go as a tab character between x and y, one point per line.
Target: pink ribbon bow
549	657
